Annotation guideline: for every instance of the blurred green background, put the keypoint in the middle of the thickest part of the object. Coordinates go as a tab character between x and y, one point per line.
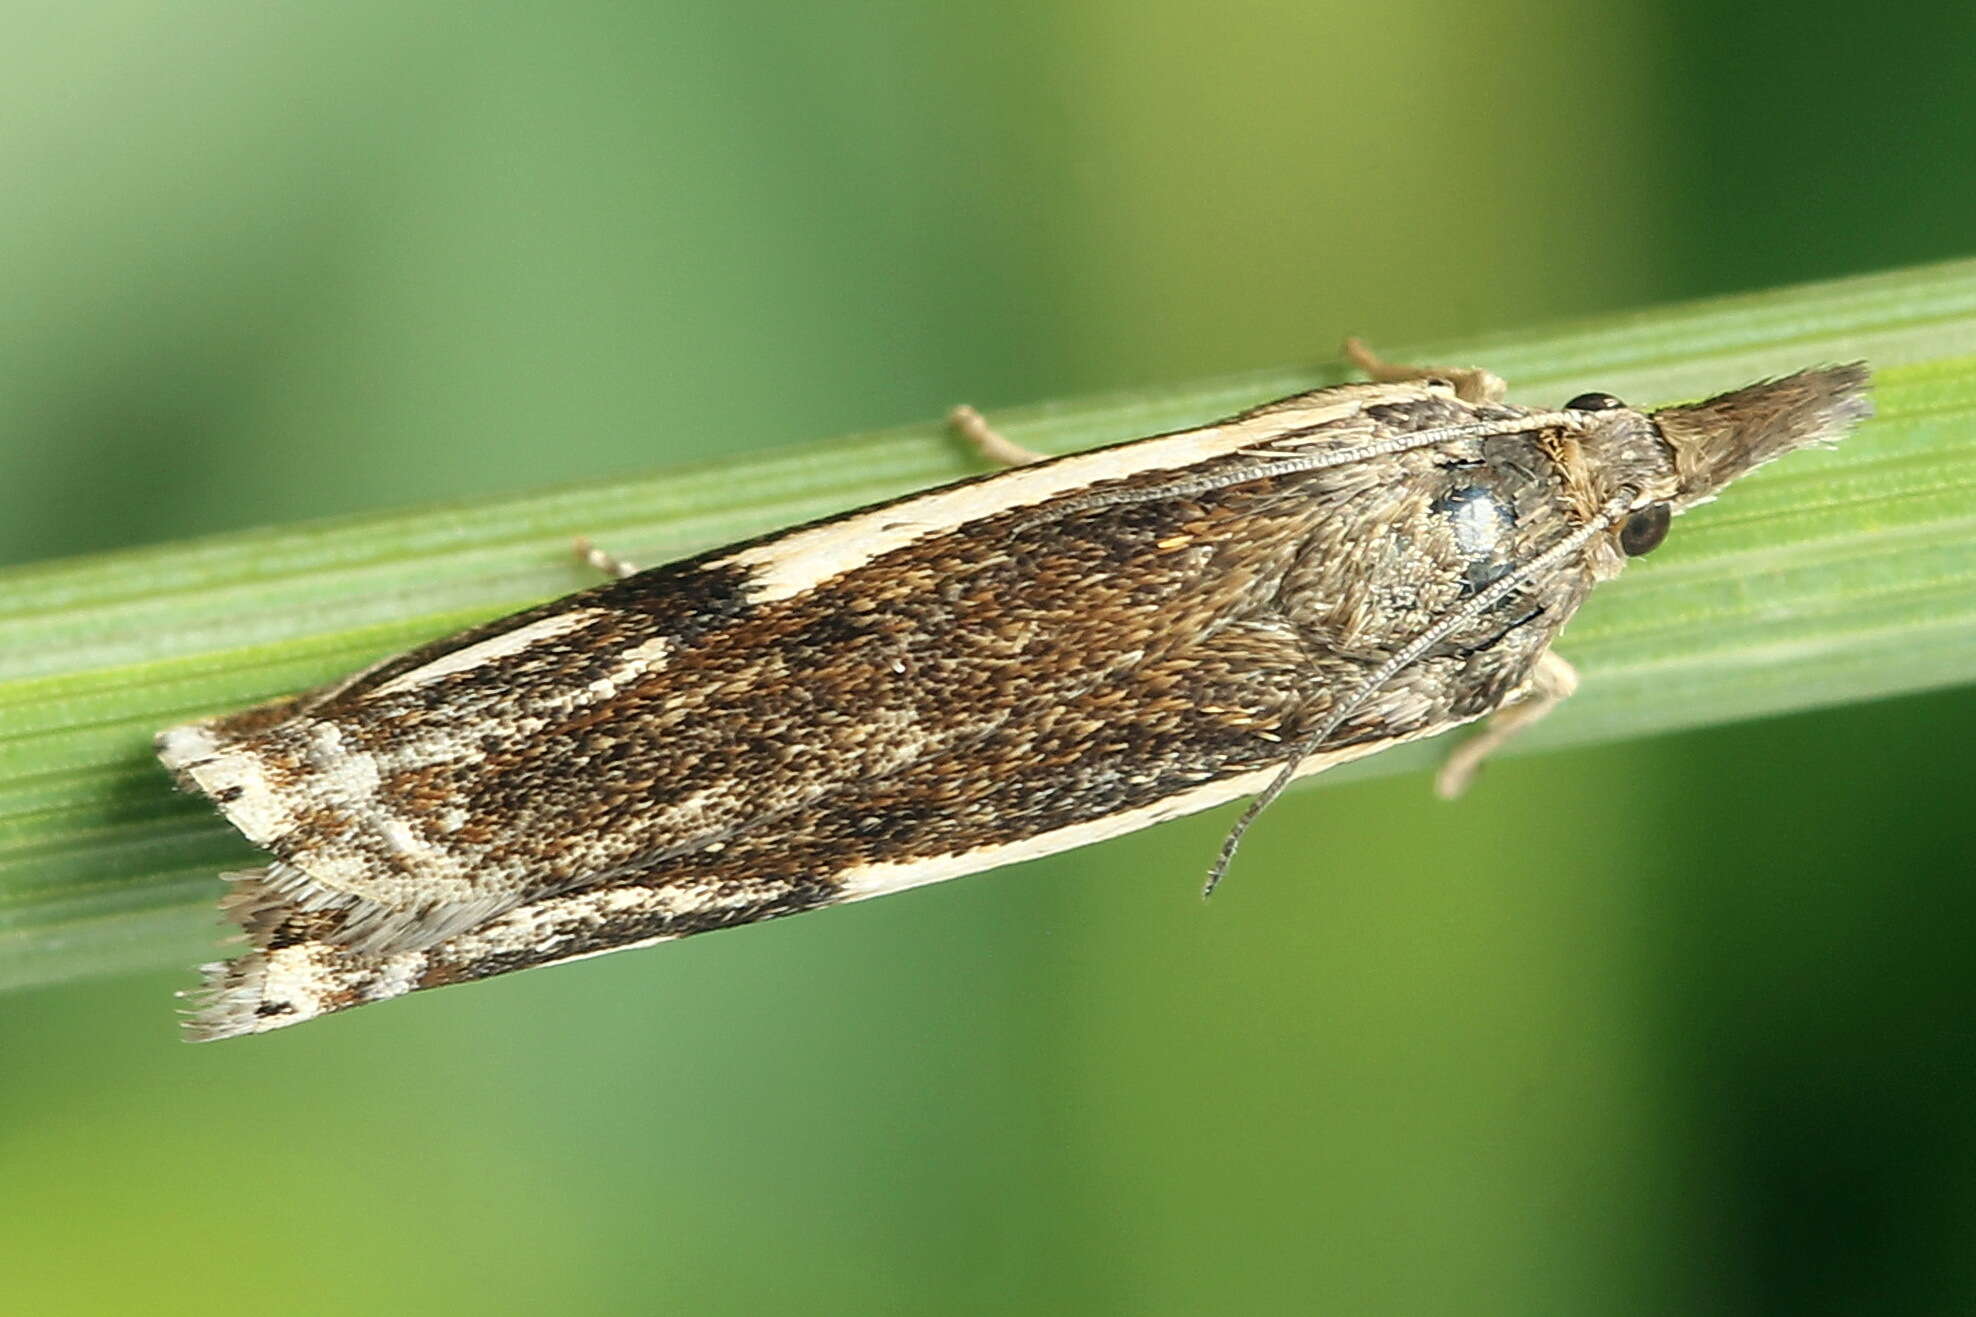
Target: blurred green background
1670	1026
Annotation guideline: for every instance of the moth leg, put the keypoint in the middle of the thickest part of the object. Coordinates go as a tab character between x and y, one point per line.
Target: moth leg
1551	682
609	564
1472	383
974	428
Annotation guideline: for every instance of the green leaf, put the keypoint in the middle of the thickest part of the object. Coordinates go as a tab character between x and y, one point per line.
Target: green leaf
1832	577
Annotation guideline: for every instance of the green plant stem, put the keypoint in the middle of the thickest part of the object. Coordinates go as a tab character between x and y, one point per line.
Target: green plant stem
1833	577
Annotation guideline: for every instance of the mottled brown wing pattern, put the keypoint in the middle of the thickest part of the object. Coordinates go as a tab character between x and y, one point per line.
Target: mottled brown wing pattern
1197	726
669	710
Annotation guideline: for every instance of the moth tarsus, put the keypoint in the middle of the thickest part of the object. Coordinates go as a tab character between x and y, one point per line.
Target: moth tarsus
972	426
1552	681
1470	383
609	564
1002	668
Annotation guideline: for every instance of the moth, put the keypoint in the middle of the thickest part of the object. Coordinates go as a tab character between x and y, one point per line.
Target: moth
1001	668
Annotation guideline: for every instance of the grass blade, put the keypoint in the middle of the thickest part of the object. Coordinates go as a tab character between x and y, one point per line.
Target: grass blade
1831	578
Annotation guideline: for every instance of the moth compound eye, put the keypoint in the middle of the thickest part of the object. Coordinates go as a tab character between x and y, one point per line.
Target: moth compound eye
1643	531
1593	402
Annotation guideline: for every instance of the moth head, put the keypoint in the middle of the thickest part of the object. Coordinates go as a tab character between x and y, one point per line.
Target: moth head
1670	460
1734	433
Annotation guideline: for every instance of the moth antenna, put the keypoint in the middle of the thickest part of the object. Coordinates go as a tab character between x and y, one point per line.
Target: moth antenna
1287	466
1402	659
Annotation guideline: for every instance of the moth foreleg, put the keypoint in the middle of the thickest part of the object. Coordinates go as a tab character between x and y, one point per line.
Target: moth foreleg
973	427
609	564
1471	383
1551	682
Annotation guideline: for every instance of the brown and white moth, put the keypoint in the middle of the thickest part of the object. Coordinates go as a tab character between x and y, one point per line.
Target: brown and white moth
1001	668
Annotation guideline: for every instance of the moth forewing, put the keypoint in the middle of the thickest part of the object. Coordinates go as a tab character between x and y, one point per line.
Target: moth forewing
997	669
